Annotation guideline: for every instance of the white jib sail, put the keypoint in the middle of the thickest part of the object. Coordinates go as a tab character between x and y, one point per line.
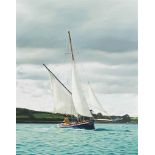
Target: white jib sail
93	102
63	102
79	100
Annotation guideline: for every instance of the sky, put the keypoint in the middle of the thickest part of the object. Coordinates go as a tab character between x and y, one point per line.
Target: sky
105	44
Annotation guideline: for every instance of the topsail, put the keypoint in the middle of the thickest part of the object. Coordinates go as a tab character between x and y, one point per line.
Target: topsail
93	101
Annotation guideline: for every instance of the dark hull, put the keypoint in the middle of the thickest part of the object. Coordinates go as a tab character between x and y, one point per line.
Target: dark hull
87	125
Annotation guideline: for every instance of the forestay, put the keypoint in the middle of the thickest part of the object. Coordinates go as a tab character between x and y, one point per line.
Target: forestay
93	101
79	100
63	102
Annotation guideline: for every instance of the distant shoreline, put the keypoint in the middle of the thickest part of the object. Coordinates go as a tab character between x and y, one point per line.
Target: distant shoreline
38	122
36	117
57	122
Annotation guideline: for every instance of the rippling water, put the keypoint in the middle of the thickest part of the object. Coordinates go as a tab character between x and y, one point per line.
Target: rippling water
48	139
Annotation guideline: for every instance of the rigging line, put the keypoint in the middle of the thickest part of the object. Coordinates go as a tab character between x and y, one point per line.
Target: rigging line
57	79
82	66
64	61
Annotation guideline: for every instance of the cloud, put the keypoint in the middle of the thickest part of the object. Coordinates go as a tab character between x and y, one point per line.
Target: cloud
103	25
104	78
104	36
127	102
37	95
34	95
55	56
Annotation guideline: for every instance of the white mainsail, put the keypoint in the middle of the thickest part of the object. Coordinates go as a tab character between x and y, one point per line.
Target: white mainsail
63	102
79	100
93	102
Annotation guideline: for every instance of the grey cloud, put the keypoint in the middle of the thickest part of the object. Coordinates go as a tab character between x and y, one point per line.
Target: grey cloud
106	25
39	56
120	85
105	57
107	79
104	36
125	70
55	56
44	25
111	44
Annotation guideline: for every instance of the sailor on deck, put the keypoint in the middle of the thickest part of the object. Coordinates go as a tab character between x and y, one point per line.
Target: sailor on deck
66	120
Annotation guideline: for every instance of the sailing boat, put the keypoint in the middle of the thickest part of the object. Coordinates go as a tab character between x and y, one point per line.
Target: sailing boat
72	103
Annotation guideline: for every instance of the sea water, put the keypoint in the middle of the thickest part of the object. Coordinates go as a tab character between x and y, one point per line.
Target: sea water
49	139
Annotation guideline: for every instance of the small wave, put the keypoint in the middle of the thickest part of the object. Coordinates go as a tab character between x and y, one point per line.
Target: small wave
41	129
102	129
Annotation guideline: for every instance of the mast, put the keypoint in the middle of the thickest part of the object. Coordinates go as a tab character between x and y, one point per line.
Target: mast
71	48
78	97
57	79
